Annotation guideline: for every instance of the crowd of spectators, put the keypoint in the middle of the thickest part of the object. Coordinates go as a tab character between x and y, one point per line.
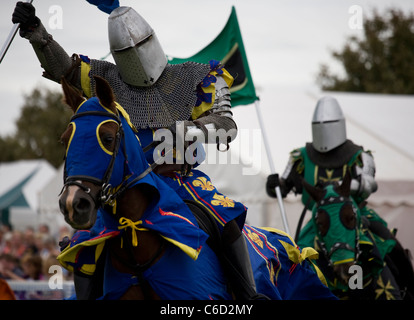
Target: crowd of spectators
28	254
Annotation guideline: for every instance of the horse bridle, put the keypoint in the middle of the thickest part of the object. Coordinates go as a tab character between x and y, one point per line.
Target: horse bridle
105	196
338	245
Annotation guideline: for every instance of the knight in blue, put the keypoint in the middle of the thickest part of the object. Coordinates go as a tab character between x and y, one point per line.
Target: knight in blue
157	95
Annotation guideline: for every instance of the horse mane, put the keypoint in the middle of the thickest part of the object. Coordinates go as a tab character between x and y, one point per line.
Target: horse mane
73	97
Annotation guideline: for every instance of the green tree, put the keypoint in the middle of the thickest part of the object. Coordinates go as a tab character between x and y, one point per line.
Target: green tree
43	119
382	61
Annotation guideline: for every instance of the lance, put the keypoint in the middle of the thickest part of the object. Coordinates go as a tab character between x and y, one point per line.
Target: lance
272	168
10	38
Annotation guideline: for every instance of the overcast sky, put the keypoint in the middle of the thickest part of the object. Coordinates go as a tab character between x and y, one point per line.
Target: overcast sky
285	40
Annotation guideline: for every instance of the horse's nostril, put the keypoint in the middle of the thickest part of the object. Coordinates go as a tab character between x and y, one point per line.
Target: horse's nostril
82	205
82	210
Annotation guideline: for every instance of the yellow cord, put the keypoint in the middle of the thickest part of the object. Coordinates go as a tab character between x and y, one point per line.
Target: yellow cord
128	223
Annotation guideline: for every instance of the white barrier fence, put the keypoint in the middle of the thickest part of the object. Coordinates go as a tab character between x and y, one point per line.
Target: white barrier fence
41	290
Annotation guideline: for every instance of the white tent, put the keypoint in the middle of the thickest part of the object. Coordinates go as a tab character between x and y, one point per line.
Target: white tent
48	199
20	184
379	123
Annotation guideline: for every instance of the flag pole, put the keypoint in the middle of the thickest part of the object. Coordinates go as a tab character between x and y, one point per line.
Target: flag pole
10	38
272	168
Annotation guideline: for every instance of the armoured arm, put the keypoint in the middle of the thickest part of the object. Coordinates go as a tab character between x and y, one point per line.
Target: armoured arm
364	183
291	179
53	58
216	125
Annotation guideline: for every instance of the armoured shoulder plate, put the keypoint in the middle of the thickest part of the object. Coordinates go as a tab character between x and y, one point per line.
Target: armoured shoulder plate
295	155
365	183
170	99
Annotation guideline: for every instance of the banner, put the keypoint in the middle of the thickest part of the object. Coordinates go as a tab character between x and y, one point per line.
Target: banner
228	48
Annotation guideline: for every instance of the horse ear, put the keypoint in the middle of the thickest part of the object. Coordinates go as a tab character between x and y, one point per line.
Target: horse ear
345	188
72	97
316	193
104	93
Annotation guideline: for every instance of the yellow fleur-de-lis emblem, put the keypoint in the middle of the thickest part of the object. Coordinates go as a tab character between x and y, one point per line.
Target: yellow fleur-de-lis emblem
203	183
255	238
221	200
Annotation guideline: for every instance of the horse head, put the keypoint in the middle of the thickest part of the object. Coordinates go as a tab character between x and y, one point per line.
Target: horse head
93	163
336	220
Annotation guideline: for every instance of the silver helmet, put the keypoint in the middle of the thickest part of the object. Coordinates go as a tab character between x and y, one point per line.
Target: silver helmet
328	125
135	47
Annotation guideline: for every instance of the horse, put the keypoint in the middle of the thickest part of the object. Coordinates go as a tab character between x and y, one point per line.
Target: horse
136	239
359	256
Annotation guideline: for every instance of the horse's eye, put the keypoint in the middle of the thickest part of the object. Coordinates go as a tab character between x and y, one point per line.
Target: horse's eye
107	135
347	216
322	222
108	140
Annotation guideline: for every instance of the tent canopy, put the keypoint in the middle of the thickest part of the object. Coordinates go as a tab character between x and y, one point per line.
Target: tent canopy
20	183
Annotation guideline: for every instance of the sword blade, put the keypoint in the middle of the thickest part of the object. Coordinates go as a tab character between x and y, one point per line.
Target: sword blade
10	38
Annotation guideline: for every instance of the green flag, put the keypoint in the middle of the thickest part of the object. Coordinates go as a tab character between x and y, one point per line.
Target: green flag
229	49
